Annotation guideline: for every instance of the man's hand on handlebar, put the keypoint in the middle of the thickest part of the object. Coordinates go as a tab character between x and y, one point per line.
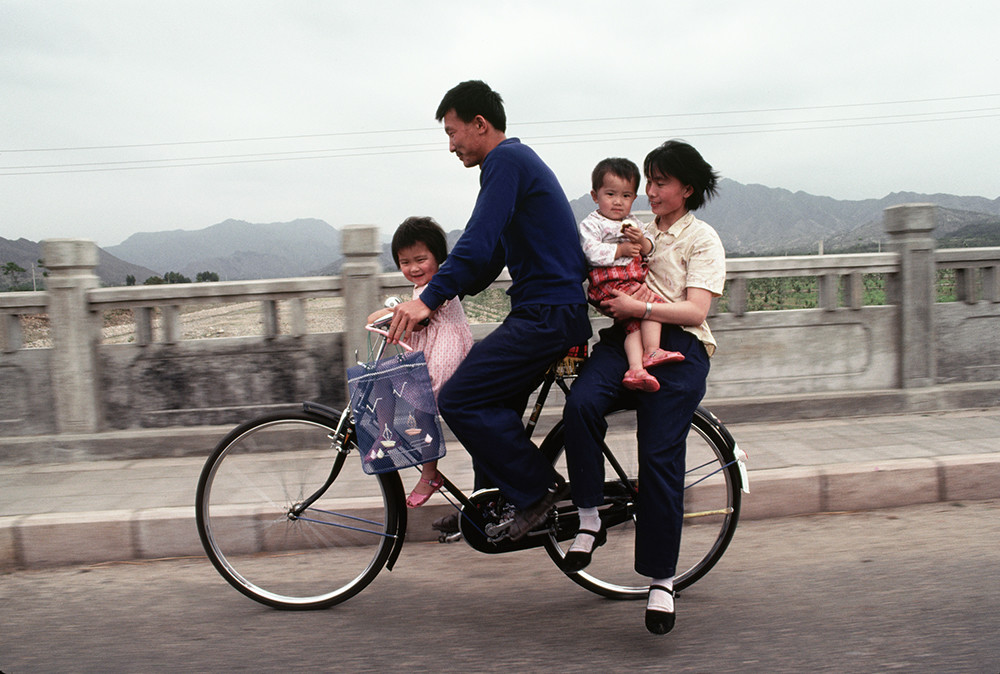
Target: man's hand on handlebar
407	318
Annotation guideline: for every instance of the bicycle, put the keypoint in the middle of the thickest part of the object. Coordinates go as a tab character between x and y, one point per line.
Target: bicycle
286	525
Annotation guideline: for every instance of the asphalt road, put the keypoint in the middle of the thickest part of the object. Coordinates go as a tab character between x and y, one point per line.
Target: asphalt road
915	589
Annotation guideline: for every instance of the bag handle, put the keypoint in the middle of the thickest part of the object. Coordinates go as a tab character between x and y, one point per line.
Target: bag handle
380	331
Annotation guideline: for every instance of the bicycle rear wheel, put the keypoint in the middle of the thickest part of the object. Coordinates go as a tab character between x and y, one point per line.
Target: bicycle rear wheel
248	513
711	510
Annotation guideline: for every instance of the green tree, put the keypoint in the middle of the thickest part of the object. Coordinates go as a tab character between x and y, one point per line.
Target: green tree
206	276
175	277
13	271
153	281
130	280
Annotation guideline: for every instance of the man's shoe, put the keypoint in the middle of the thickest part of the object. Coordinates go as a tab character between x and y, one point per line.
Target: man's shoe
529	518
447	524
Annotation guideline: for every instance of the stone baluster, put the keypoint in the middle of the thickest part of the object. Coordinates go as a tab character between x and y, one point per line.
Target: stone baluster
911	234
71	264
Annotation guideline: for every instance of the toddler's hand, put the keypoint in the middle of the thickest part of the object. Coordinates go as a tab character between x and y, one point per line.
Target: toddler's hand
633	234
629	249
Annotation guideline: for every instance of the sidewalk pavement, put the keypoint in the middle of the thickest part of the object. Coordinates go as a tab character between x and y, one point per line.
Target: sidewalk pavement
113	510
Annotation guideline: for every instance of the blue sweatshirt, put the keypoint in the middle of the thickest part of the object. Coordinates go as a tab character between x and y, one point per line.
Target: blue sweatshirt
523	220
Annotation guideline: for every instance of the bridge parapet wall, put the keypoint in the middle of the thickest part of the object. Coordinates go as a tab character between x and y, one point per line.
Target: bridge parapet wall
842	357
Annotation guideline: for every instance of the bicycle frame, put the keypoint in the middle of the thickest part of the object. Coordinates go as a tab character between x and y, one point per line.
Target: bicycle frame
293	514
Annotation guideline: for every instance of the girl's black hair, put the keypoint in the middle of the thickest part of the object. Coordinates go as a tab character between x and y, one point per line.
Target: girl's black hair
420	230
616	166
680	160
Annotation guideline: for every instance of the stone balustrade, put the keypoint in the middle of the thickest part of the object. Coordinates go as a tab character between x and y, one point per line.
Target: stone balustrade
842	357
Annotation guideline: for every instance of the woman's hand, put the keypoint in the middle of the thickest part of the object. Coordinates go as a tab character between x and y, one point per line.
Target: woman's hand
623	305
691	311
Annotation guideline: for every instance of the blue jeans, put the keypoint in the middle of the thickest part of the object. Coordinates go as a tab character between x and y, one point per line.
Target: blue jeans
662	419
484	401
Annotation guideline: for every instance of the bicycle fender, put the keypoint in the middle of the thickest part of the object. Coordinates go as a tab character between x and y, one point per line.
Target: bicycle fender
727	438
397	545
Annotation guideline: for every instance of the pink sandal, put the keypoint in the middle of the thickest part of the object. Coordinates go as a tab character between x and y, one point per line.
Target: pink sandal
659	356
415	500
640	380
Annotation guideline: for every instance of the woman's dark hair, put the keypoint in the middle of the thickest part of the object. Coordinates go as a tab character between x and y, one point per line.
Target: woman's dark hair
472	98
420	230
618	167
680	160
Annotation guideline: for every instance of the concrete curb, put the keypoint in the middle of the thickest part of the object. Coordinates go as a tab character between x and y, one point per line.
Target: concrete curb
59	539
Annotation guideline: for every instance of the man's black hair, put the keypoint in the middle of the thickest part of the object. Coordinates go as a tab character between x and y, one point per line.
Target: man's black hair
680	160
472	98
618	167
420	230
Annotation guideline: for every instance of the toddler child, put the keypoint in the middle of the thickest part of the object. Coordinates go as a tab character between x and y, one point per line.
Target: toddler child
616	245
419	246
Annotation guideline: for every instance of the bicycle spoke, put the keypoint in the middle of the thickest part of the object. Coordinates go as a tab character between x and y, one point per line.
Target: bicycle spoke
247	509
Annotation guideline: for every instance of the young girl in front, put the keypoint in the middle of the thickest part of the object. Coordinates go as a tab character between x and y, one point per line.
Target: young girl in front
419	246
616	246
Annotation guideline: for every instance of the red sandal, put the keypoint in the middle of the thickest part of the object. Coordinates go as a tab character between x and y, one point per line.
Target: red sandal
415	499
659	357
640	380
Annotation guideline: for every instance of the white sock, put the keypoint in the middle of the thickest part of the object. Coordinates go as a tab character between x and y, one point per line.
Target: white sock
658	599
589	519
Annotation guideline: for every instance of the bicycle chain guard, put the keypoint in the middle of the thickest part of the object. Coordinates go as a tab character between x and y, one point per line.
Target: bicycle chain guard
486	529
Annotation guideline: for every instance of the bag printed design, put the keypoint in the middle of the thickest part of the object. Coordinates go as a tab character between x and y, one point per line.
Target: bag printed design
395	414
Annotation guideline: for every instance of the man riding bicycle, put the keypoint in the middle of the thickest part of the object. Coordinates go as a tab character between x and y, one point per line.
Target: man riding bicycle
522	220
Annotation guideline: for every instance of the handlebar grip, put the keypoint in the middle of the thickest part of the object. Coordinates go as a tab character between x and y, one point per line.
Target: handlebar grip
378	331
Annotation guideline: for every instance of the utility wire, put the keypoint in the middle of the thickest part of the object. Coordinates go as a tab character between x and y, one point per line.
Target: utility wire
554	139
563	121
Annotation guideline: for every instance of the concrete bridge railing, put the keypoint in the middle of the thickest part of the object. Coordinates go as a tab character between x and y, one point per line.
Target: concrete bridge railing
843	357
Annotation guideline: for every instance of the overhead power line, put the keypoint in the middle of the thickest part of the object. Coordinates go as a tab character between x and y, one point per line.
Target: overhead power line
541	139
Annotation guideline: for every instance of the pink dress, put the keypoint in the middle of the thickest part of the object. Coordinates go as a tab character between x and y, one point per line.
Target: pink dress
445	341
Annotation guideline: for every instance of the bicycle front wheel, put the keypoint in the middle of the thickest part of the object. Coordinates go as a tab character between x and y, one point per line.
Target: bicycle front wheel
250	515
711	509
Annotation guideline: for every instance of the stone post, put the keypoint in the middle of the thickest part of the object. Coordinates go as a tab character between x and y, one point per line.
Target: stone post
910	228
359	276
71	264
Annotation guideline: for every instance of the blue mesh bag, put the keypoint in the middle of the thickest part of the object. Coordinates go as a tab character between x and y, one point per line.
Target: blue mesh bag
395	414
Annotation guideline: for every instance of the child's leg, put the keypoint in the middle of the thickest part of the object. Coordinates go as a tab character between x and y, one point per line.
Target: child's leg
636	378
652	354
429	472
428	483
634	347
650	331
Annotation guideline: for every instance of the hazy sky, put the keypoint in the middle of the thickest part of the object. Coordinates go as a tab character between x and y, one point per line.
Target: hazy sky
118	116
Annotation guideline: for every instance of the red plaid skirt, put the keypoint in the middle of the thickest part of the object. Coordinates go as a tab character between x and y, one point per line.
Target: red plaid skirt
626	279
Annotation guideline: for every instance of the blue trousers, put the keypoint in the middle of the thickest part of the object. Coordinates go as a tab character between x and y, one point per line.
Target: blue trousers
484	401
662	420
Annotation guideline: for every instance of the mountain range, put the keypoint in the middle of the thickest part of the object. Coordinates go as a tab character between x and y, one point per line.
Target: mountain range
750	219
758	220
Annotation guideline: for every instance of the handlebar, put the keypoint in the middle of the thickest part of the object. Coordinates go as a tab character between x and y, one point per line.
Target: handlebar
379	324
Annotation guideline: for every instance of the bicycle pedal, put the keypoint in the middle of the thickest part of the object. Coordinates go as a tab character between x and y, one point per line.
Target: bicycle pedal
497	529
450	538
